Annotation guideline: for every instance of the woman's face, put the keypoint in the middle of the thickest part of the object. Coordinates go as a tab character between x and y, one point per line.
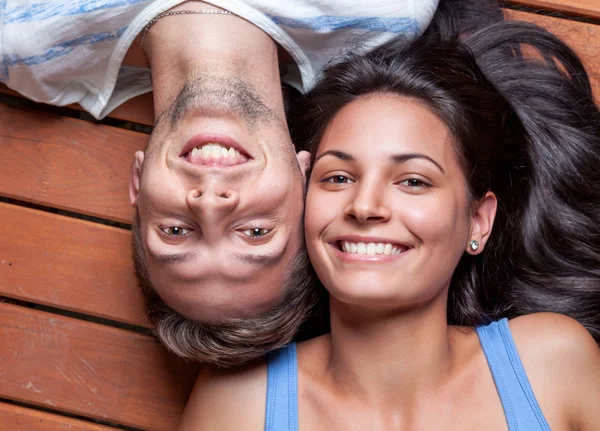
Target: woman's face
387	212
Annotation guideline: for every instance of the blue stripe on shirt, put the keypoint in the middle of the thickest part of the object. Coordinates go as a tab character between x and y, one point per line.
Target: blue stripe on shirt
3	67
61	49
331	23
41	11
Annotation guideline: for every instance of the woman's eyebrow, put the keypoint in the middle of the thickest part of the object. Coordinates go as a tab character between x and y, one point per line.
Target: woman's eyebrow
336	153
395	158
405	157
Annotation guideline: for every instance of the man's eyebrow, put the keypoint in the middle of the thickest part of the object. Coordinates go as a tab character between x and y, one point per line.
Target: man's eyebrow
339	154
264	259
173	257
401	158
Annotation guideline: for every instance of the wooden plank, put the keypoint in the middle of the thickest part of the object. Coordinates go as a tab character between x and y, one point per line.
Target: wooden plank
67	163
584	8
68	263
91	370
583	38
17	418
140	109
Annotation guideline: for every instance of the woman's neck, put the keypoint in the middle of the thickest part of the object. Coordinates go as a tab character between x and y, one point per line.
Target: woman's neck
390	358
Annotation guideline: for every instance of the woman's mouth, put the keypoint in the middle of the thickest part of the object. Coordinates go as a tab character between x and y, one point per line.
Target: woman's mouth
370	250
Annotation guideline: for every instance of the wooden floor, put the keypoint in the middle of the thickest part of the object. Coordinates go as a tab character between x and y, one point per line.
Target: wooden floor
76	351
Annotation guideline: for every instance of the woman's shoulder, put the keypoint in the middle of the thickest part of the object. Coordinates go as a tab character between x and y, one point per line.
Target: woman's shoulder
562	362
552	336
227	399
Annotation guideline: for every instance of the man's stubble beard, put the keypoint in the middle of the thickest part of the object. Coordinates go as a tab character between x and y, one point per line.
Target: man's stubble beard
216	96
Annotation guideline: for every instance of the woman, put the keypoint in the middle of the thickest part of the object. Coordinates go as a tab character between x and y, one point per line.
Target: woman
453	185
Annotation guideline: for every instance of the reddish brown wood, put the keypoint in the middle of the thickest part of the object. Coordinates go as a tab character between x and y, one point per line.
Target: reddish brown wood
140	109
17	418
68	263
584	8
583	38
66	163
91	370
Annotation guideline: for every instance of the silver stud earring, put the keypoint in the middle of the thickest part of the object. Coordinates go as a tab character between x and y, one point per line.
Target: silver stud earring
474	245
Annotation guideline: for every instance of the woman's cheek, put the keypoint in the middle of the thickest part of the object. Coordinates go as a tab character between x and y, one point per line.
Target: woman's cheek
427	217
317	211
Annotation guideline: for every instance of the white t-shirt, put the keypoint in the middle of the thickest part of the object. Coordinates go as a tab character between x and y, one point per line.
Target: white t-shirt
71	51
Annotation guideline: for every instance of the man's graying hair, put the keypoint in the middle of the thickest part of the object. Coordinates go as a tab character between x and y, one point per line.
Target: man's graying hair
232	341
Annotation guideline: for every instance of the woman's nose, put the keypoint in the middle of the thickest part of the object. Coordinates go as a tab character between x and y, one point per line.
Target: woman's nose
368	206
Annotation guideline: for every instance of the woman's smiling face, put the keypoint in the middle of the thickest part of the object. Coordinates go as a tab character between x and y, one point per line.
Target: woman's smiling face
388	214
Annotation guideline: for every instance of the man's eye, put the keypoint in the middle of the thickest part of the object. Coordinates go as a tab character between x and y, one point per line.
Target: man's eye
338	179
175	231
256	232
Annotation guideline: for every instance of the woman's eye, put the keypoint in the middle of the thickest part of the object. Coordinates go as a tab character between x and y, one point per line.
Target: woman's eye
338	179
256	232
175	231
414	183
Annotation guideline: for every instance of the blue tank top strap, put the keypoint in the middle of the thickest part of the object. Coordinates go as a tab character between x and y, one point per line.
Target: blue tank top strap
518	401
282	390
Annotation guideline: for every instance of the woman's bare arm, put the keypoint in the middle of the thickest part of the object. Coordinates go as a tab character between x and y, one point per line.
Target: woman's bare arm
227	400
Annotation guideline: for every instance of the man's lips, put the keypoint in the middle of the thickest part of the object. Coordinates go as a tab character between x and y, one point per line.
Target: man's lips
214	150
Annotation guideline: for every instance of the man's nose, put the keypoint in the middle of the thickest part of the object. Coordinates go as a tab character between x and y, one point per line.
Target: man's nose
211	204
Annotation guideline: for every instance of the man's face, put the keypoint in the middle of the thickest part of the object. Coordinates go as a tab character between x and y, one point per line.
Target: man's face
219	193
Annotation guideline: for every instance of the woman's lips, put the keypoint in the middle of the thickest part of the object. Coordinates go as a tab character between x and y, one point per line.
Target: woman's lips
368	250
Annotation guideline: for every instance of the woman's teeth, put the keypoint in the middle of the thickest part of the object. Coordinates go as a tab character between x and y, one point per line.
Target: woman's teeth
213	153
371	248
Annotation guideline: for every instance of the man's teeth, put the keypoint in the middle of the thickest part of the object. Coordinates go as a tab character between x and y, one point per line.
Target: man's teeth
371	248
216	152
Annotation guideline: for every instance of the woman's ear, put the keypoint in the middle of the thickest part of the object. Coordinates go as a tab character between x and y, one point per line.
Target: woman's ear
134	177
482	223
303	158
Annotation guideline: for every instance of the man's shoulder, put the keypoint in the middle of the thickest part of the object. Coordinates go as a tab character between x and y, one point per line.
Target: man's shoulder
227	399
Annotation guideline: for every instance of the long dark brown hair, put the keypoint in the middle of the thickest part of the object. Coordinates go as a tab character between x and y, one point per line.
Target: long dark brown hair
525	127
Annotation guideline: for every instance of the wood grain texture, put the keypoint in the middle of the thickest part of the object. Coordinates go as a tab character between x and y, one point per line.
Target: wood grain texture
68	263
91	370
584	8
581	37
67	163
140	109
17	418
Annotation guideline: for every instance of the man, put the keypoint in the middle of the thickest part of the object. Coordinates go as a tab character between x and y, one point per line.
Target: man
218	242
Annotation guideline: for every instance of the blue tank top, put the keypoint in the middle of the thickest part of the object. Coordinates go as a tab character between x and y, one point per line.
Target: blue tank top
518	401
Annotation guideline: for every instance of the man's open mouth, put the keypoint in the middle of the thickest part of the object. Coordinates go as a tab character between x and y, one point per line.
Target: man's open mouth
211	151
214	153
